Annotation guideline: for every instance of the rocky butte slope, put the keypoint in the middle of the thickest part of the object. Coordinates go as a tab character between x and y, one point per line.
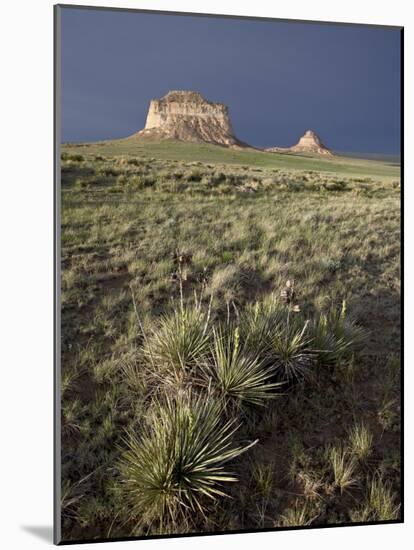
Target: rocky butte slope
308	143
187	116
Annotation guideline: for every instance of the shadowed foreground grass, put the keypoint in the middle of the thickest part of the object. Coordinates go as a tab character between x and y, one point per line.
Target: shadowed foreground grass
141	235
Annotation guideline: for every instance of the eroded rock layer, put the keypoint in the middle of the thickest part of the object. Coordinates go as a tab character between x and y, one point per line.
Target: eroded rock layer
308	143
187	116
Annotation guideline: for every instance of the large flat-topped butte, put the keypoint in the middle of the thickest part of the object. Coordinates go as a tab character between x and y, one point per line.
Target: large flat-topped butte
187	116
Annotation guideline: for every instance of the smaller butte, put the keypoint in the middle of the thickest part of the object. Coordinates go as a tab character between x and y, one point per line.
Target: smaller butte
309	143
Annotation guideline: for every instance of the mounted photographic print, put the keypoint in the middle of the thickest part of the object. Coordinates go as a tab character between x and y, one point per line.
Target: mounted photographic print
228	239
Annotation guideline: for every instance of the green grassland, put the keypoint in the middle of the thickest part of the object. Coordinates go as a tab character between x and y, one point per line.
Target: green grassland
141	328
206	153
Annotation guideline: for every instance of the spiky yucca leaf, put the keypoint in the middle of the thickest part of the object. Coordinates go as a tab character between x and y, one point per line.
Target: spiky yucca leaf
336	335
343	325
239	375
258	321
177	462
179	340
329	349
289	350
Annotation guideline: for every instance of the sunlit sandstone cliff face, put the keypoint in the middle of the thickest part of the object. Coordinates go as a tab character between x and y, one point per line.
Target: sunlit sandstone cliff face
311	142
187	116
308	143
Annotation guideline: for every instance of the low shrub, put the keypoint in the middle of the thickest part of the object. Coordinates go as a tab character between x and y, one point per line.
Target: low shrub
137	182
332	265
74	157
335	185
108	171
194	175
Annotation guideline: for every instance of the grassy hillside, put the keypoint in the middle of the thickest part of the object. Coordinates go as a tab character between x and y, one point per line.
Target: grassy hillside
190	152
174	261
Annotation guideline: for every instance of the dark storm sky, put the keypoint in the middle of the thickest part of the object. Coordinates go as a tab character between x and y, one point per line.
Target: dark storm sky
278	79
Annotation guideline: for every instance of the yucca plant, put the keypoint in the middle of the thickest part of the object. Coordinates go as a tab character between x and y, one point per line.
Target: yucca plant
336	335
179	341
175	466
343	325
239	375
328	348
258	321
290	351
